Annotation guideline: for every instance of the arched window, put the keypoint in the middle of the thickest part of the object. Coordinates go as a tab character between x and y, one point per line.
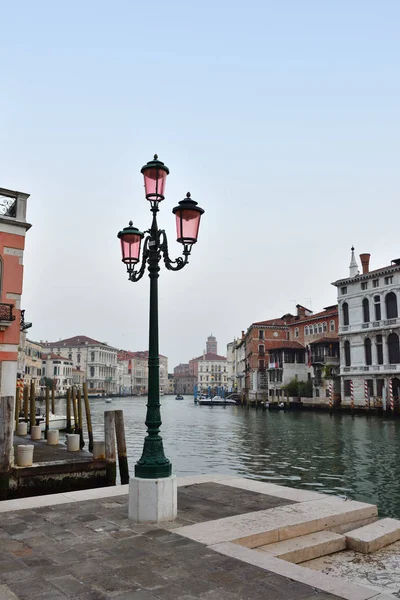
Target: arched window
368	351
394	348
315	328
347	357
365	304
391	306
296	332
332	325
70	355
377	304
78	358
306	330
345	314
92	356
91	371
325	326
319	327
379	349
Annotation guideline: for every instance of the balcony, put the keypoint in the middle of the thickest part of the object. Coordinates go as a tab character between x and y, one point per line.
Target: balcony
275	365
6	315
320	359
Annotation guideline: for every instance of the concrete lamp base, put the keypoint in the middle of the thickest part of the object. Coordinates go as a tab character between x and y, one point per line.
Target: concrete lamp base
153	500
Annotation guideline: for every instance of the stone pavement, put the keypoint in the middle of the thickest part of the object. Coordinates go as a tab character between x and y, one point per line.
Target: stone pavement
90	550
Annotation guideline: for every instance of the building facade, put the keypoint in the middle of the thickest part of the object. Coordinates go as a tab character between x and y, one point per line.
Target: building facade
13	228
212	372
369	330
184	381
59	369
97	360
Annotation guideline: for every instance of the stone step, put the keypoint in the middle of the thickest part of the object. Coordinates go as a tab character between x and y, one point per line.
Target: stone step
374	536
306	547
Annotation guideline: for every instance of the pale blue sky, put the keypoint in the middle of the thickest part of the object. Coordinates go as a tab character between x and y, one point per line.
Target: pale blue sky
281	118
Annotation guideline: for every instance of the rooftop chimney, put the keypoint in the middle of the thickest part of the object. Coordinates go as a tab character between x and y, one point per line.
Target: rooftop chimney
365	262
242	334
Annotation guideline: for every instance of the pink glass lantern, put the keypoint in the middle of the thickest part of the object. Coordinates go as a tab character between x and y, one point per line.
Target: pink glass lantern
188	216
155	176
131	239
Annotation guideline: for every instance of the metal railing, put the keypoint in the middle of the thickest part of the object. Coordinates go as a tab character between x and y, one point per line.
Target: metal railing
6	313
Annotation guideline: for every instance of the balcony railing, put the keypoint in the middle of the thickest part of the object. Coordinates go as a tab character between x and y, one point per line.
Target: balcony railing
6	313
324	359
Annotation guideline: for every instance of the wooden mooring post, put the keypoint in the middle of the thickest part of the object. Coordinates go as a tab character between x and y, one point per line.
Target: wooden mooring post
17	406
26	403
88	417
32	408
47	427
6	442
80	419
121	447
53	410
68	412
109	436
75	409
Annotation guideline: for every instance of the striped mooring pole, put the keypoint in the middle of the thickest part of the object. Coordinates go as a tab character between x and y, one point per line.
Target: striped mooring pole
351	394
366	393
391	398
330	394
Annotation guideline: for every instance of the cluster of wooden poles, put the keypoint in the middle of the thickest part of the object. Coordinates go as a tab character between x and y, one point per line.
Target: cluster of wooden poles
26	405
114	429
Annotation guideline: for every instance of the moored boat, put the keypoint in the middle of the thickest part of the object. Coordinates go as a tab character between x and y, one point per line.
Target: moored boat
217	401
179	397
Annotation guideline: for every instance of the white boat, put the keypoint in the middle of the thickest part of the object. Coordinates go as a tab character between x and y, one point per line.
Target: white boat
55	422
108	400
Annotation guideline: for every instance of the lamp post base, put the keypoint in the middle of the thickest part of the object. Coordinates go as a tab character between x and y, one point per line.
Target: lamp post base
153	500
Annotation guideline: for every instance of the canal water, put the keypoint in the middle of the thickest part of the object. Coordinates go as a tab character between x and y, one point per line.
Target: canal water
357	457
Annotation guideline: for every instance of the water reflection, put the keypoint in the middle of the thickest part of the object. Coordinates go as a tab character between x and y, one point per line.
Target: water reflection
343	455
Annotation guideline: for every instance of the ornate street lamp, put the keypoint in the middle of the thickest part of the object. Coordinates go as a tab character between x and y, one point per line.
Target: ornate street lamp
153	463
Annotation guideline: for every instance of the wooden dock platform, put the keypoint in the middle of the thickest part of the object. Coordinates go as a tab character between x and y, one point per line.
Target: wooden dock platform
55	470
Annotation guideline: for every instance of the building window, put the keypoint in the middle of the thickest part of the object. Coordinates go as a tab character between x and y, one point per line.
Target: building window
394	349
261	350
261	334
92	356
364	285
347	387
325	326
78	358
317	392
377	304
261	364
365	304
315	328
320	328
379	349
347	357
332	325
370	386
345	314
306	330
391	305
375	283
91	371
343	290
368	351
70	356
388	280
296	332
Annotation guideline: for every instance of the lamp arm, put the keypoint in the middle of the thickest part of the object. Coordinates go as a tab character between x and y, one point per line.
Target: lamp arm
136	275
178	263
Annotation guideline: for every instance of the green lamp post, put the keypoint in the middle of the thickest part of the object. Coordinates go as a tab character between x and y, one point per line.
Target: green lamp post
153	463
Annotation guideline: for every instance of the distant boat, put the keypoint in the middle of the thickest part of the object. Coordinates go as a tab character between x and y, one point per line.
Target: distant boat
217	401
179	397
108	400
55	422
